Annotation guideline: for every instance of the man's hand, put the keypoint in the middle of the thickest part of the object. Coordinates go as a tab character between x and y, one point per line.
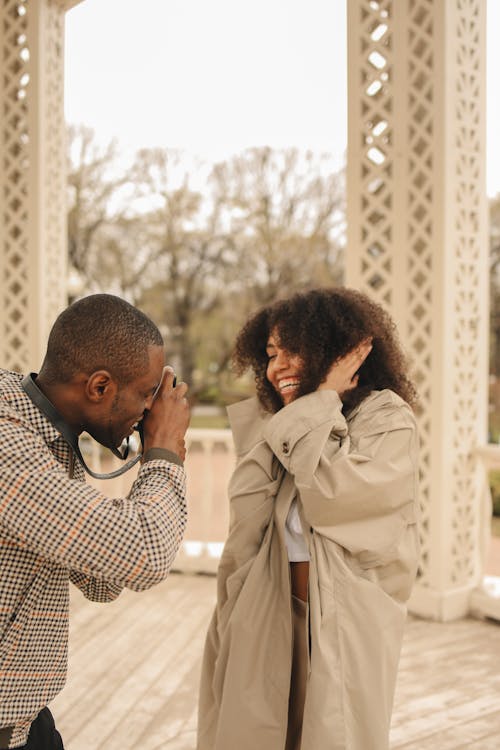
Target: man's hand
343	374
166	423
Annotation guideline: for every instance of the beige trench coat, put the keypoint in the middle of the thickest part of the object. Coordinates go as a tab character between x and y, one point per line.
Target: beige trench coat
356	482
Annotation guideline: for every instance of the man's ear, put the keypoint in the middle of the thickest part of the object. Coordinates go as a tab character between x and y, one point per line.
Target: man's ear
100	386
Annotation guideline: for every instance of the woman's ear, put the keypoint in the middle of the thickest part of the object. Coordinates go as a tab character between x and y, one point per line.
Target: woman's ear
100	386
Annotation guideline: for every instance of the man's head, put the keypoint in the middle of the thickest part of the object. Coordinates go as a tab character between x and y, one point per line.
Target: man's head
99	332
103	363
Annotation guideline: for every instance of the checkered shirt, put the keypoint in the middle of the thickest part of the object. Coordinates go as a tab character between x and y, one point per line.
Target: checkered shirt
55	529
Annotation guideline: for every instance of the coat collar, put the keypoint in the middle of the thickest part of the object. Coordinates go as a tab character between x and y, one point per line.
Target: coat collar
247	420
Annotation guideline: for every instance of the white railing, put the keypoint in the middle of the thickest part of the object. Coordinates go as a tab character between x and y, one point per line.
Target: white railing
485	600
209	463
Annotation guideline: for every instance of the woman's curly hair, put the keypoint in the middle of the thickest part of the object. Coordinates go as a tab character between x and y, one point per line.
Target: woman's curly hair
320	326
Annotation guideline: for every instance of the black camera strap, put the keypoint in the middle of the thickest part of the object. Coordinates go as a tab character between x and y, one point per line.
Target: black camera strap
44	405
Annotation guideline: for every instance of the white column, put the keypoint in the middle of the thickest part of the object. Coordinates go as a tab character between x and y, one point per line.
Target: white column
32	178
417	242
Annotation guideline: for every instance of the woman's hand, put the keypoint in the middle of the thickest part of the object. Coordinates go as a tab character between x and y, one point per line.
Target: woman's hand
343	374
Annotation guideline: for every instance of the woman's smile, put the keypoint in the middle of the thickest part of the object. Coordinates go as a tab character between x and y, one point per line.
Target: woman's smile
283	370
288	385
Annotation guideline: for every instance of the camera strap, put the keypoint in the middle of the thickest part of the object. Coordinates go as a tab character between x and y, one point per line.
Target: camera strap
71	438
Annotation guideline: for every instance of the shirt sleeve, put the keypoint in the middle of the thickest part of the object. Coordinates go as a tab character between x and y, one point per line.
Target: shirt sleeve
128	541
357	482
95	589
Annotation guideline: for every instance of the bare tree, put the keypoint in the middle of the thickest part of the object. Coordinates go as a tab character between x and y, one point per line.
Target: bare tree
190	255
286	213
200	259
93	181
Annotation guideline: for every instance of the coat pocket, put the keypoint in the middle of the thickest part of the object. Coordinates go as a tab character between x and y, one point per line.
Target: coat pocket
391	550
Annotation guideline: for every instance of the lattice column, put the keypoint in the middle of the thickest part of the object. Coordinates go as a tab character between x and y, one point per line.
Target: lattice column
417	242
32	177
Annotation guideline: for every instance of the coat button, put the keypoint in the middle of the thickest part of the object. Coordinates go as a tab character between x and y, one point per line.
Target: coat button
285	447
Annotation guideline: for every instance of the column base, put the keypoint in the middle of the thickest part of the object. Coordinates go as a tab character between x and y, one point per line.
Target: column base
442	606
485	599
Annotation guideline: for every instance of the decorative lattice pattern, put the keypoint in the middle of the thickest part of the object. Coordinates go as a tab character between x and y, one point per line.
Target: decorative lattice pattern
14	184
399	237
420	231
32	177
54	166
379	261
468	284
377	166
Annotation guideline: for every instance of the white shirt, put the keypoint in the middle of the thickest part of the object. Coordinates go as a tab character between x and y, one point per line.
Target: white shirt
294	536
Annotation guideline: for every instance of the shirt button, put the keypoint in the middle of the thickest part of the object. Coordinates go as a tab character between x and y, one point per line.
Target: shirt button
285	447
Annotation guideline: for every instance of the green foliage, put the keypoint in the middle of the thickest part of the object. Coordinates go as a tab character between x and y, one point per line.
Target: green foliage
495	526
210	421
494	399
494	478
494	240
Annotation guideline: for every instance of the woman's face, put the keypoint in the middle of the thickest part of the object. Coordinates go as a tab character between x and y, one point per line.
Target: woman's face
283	370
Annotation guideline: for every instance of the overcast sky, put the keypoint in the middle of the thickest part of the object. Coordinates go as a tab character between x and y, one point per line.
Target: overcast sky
215	76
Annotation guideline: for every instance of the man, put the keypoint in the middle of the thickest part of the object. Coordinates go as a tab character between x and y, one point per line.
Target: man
103	372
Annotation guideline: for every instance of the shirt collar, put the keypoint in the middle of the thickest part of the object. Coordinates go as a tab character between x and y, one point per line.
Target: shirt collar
14	397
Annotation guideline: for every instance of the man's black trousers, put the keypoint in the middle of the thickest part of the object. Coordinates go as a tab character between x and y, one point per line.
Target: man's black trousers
43	734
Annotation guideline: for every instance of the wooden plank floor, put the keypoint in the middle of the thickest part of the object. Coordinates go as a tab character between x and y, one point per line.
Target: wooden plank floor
134	670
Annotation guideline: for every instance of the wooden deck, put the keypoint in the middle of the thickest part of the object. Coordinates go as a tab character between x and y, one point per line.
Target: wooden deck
134	669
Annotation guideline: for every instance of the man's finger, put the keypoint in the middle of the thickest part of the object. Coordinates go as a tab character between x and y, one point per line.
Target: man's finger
167	378
181	390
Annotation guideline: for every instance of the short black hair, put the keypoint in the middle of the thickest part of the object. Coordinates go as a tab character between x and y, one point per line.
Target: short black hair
322	325
100	332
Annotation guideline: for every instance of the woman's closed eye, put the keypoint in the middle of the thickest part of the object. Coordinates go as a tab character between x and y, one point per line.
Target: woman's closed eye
271	351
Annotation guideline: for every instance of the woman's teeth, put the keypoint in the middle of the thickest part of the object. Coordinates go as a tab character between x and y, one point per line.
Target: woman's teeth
288	384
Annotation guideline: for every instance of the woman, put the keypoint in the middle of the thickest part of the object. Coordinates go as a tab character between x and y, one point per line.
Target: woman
303	647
